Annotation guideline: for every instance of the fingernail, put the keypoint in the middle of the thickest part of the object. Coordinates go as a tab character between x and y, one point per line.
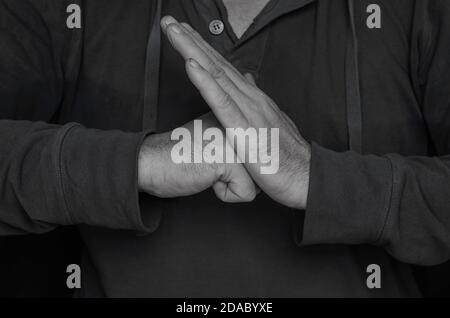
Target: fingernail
193	63
175	28
166	21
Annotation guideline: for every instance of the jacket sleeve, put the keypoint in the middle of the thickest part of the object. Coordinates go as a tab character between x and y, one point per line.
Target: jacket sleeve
399	203
54	175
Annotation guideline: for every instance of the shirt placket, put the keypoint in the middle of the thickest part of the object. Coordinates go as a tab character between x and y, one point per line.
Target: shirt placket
210	18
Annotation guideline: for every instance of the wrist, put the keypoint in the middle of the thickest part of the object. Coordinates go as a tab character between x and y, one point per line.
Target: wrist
304	179
143	166
150	159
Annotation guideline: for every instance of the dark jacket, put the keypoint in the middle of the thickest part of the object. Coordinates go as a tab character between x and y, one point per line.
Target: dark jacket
373	102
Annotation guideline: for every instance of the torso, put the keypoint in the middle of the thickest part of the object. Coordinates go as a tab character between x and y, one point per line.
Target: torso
204	248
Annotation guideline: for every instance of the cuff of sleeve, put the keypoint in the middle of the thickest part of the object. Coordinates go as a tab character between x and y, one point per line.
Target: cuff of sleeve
349	198
98	173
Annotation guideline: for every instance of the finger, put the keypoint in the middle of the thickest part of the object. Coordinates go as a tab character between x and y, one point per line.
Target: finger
166	21
231	71
290	123
221	103
241	88
185	44
250	78
189	49
227	195
235	185
246	84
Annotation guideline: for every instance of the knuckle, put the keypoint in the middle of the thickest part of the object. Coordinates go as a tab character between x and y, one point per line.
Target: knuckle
251	103
259	98
220	63
263	98
250	196
216	71
264	102
225	100
226	84
210	66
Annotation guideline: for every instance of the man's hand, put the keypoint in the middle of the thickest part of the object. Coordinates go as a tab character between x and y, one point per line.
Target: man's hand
238	103
161	177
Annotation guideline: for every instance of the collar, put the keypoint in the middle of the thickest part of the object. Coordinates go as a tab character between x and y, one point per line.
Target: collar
274	10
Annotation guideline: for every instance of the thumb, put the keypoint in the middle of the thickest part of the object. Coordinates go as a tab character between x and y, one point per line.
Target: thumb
235	185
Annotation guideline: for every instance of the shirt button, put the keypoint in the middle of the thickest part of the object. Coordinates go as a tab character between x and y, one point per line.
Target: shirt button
216	27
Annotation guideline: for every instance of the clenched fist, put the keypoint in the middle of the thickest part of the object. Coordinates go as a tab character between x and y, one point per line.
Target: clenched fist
161	176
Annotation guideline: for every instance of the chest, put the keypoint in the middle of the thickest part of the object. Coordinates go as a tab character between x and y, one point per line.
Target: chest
299	60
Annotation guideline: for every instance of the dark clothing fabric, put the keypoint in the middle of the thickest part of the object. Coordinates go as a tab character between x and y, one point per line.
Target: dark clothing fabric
381	93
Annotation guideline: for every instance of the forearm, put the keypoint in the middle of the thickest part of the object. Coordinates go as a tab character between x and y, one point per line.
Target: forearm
396	202
64	175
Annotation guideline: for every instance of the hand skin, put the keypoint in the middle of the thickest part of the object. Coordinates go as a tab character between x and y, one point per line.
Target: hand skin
161	177
238	103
